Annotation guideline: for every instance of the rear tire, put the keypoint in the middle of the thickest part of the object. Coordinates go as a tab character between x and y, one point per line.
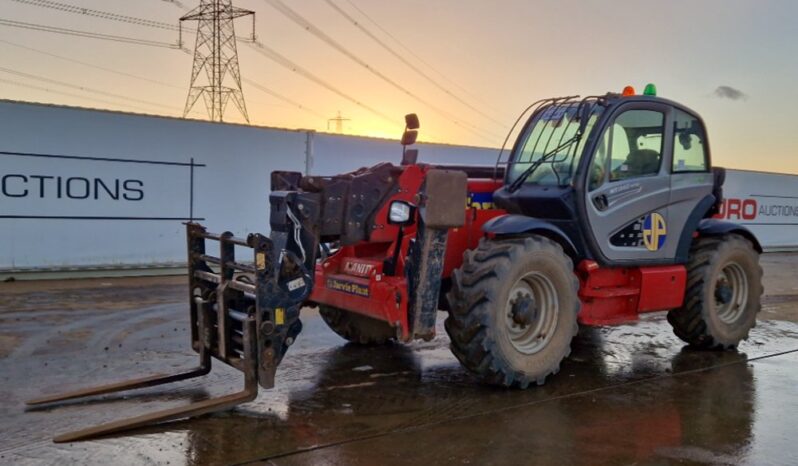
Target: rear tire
513	310
356	328
722	298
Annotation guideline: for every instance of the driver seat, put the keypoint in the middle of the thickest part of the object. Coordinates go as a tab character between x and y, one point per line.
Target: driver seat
642	162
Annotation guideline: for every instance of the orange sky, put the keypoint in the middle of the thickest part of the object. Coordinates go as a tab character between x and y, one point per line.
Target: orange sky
488	60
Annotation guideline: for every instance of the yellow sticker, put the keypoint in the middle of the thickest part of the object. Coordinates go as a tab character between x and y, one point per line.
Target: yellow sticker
260	261
279	316
348	287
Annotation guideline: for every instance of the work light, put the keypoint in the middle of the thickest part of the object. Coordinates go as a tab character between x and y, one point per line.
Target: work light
400	213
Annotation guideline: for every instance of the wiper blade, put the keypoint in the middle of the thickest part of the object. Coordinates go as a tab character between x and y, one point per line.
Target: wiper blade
516	184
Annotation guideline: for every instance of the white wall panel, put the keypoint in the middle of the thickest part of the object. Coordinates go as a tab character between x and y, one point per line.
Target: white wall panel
231	184
766	203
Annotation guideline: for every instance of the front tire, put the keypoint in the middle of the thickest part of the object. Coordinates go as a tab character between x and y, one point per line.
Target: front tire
722	298
513	310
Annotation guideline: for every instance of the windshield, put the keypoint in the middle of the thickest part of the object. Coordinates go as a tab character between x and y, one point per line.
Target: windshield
554	127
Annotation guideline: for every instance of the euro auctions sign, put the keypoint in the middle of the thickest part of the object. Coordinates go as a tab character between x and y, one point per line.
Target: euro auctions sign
766	203
78	187
752	209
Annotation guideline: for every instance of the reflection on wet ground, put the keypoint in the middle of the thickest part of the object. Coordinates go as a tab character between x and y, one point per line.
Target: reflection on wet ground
627	395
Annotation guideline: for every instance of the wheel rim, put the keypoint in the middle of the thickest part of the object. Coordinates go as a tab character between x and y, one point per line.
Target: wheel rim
530	313
731	293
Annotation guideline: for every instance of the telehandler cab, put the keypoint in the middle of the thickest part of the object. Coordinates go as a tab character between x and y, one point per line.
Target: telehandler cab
602	211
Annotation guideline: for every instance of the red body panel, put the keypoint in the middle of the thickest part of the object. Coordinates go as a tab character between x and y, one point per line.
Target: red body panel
477	213
342	278
353	278
618	295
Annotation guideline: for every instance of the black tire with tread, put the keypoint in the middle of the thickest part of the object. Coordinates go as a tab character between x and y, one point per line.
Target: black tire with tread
696	322
478	297
356	328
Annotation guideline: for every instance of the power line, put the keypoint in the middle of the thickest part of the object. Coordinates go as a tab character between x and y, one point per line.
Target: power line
90	65
162	25
407	62
178	4
69	94
261	49
281	60
66	7
256	46
268	91
413	53
90	35
100	14
82	88
155	81
138	21
309	27
274	94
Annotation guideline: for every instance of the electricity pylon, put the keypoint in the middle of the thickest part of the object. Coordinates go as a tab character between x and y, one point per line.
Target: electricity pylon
339	123
216	54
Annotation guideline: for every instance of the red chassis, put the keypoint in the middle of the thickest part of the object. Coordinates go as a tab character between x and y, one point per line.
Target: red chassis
354	277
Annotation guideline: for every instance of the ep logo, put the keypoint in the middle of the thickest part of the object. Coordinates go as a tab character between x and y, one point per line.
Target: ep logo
654	231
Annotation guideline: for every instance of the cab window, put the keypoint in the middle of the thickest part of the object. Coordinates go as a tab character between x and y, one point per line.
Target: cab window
555	128
634	143
689	144
629	148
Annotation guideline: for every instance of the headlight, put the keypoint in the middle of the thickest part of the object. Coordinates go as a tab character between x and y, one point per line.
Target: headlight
400	213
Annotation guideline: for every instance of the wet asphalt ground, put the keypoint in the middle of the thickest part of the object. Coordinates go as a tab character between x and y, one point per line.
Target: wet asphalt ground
627	395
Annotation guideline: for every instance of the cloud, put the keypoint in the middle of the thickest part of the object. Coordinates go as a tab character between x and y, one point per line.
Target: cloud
728	92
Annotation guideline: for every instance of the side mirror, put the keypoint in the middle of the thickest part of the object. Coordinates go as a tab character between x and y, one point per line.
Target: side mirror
685	140
411	121
409	137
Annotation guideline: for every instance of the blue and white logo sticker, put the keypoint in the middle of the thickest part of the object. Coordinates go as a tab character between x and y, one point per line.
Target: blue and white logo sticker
655	231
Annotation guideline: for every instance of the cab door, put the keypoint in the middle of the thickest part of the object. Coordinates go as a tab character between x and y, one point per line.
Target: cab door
692	181
627	192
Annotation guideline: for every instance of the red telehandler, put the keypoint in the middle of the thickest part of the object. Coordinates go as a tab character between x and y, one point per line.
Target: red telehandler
603	211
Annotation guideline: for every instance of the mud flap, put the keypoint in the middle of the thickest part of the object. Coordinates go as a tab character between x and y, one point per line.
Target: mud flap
443	198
